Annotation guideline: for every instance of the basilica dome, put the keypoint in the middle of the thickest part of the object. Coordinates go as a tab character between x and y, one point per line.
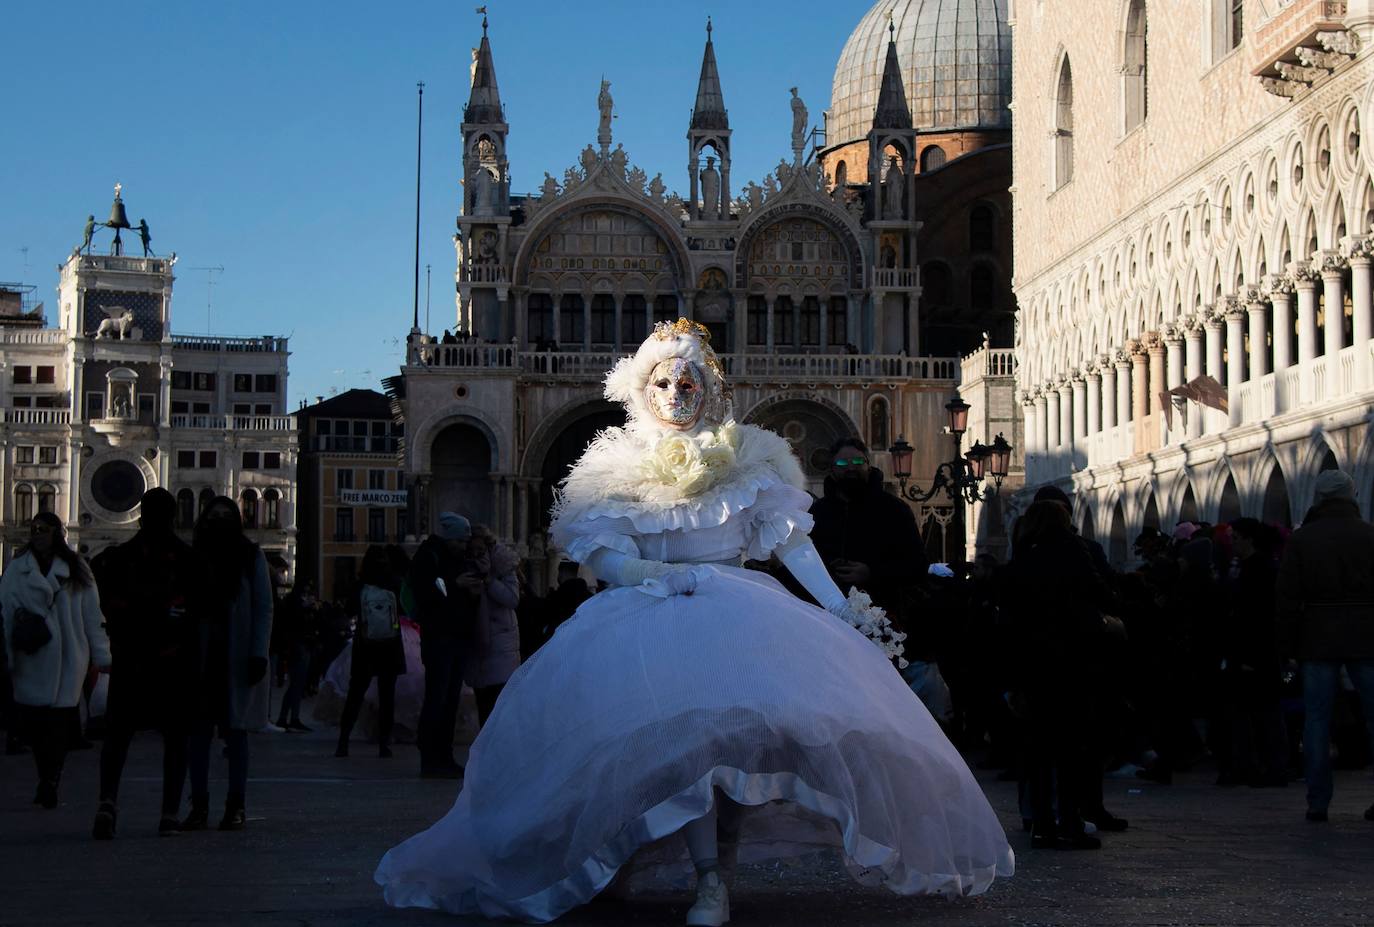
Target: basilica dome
956	66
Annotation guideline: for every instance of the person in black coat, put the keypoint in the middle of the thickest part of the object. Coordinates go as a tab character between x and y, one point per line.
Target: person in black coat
1054	597
867	536
144	586
1252	673
446	582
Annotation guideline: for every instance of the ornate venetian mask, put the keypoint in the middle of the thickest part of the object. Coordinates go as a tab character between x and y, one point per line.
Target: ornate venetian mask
676	393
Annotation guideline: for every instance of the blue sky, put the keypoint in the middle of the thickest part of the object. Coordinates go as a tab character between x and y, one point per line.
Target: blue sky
277	139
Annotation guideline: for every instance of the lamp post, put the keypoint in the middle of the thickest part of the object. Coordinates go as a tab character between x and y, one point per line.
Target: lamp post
963	479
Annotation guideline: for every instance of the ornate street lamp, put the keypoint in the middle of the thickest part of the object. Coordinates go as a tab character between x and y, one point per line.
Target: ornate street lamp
962	479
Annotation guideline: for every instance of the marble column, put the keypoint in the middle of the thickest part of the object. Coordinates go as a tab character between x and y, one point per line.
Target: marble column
619	311
1052	439
1235	359
1140	382
522	320
1333	302
1079	385
1123	388
1155	348
1281	298
1028	416
1359	251
586	322
1108	392
1259	338
1192	363
1042	425
1305	283
771	300
1173	373
1094	399
1066	435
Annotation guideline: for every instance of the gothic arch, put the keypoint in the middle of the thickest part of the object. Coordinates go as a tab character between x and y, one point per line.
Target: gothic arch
606	201
837	224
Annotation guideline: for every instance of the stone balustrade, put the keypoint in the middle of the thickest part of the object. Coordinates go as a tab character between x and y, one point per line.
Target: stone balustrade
236	422
38	416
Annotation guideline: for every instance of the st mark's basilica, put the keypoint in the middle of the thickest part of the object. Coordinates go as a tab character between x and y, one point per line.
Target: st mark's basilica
854	290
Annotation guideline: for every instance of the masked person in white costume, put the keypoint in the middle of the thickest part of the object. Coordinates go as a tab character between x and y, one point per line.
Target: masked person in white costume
693	687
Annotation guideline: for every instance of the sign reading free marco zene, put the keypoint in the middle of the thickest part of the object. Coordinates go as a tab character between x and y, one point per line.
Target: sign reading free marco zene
384	498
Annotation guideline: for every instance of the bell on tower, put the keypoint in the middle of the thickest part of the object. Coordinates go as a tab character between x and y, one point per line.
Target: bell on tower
118	220
710	128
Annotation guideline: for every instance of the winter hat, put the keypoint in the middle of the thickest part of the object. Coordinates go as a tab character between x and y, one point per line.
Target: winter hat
454	527
1184	531
1335	484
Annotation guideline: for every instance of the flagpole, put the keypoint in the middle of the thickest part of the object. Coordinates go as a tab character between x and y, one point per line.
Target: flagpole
419	135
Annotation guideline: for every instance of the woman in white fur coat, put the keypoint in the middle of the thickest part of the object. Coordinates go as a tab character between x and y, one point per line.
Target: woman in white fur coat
49	579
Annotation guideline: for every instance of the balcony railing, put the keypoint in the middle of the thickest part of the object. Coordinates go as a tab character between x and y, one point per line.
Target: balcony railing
236	422
32	336
38	416
592	365
265	344
895	278
355	444
466	356
486	273
989	362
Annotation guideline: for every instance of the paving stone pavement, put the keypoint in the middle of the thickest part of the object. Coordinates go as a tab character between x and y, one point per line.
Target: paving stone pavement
1194	855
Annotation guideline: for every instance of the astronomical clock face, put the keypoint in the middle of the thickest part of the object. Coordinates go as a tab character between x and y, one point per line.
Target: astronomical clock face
107	304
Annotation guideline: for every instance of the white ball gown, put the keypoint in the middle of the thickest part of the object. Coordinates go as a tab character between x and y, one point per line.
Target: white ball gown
621	728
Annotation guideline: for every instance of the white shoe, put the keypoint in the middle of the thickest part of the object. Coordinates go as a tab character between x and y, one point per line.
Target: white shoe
713	903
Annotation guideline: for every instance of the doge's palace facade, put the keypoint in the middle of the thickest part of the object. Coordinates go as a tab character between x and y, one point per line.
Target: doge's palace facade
1192	199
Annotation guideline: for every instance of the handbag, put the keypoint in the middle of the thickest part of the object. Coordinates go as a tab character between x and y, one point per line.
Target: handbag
30	633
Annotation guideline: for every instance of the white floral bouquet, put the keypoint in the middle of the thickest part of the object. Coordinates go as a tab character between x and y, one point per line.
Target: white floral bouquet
873	623
688	465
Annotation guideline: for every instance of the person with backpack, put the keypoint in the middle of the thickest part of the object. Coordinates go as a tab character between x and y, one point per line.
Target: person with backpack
377	650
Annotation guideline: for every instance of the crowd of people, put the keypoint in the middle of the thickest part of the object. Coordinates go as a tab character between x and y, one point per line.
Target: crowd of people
1235	647
190	638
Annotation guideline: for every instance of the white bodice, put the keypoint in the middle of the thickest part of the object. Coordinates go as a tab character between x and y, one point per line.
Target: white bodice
741	522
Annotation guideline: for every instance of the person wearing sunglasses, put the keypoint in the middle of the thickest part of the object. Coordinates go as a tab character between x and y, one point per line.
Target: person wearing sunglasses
867	536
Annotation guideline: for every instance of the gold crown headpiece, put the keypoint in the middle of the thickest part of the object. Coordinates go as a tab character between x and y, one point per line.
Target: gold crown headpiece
665	330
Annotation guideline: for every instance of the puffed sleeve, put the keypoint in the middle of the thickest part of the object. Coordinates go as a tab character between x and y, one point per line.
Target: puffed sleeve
778	512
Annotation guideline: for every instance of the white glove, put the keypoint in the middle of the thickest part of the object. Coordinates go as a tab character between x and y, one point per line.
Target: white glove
799	555
439	584
624	570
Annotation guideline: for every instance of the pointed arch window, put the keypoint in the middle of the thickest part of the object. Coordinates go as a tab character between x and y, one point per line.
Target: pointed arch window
1063	125
1135	68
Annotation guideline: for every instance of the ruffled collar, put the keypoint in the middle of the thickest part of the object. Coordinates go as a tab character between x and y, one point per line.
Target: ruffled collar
639	470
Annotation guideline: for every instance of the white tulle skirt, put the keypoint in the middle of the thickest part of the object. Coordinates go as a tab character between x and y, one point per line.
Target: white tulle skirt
644	710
